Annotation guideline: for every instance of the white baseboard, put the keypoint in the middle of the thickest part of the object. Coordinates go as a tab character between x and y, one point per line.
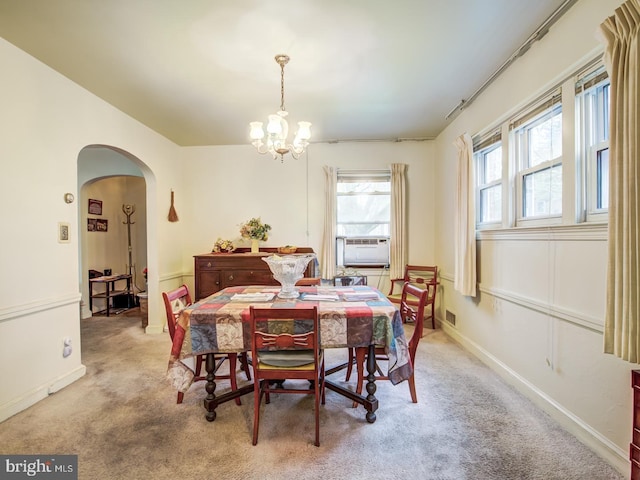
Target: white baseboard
32	397
602	446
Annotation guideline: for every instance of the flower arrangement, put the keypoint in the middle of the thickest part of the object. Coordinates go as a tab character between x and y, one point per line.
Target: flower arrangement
255	230
223	246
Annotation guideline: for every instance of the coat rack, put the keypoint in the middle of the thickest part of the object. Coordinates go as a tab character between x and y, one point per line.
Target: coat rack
128	211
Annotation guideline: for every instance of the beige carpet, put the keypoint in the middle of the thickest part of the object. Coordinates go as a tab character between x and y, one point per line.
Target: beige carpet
122	421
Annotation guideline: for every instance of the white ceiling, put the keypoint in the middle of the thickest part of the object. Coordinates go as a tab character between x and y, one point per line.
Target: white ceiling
197	71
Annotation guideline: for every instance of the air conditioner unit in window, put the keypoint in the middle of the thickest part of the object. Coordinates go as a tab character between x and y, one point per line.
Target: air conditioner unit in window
365	252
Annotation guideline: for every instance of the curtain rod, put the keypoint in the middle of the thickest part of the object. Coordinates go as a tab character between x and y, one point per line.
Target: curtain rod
540	32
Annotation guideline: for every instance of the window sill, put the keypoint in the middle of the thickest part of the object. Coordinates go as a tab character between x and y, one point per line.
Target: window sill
581	231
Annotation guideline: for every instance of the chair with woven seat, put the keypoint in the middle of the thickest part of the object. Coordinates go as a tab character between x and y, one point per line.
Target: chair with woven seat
423	277
409	313
174	302
285	345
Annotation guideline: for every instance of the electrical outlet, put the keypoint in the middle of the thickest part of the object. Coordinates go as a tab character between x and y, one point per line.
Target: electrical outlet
66	350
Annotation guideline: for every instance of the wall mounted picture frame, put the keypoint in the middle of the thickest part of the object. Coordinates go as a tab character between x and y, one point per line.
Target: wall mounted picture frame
95	207
101	225
97	225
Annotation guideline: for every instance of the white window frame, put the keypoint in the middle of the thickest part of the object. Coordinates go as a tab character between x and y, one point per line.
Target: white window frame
592	121
550	106
483	147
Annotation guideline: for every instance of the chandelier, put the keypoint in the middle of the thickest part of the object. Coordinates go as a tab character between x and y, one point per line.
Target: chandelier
275	140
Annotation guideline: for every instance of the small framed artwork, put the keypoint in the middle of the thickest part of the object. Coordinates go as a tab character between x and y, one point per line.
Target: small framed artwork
101	225
63	232
91	224
95	207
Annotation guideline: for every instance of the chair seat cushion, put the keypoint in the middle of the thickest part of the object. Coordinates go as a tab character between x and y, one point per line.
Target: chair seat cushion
286	358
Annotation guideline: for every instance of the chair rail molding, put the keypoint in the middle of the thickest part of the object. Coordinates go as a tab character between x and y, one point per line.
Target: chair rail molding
576	318
15	311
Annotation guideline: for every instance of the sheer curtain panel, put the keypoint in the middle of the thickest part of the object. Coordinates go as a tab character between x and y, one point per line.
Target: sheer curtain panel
622	51
465	221
328	257
398	253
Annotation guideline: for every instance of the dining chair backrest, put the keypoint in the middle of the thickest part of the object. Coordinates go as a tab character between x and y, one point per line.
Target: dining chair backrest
413	313
285	330
174	302
424	277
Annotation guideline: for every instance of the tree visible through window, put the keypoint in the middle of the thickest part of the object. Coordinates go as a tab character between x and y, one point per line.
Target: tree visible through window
538	140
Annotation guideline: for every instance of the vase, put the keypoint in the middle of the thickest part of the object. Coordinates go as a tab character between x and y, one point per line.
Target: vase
287	270
255	246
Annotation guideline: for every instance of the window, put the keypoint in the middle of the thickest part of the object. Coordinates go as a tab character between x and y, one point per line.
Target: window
537	137
525	179
592	98
488	160
363	203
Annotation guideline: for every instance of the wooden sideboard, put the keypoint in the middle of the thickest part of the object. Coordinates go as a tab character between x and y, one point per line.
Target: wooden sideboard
215	271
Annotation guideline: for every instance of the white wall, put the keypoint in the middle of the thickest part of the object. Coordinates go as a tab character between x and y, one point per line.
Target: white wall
229	185
539	314
45	122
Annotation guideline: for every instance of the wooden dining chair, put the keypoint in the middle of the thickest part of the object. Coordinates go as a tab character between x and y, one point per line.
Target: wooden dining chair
423	277
285	345
410	313
174	302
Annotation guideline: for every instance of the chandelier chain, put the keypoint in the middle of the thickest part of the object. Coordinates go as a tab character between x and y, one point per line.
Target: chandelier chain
282	87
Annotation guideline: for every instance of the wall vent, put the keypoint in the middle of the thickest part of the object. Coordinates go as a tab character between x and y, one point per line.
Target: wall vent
450	317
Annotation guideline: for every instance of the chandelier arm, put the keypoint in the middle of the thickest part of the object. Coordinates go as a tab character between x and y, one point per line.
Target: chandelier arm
261	147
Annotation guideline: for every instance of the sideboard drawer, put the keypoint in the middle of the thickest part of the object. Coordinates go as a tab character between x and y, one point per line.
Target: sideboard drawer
205	264
230	278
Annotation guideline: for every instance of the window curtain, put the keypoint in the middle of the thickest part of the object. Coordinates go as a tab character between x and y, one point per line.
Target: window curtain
328	256
622	52
398	252
465	220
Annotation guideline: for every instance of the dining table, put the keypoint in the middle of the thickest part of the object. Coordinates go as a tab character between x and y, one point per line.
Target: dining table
358	316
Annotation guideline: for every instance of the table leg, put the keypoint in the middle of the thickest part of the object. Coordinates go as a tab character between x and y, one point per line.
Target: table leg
210	402
371	382
370	402
108	296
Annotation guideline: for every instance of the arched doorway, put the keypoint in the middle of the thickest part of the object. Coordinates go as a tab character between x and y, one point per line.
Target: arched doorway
113	234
